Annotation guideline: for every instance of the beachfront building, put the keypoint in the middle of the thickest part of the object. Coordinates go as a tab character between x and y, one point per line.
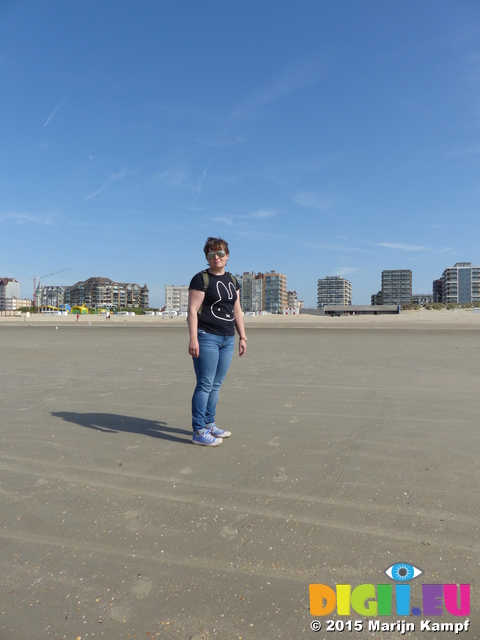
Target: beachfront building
263	292
13	304
422	298
176	297
461	284
377	299
275	292
293	300
257	294
50	296
437	290
98	292
9	289
252	291
397	286
246	290
334	290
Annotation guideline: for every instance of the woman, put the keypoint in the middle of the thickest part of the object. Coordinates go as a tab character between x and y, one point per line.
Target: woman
213	313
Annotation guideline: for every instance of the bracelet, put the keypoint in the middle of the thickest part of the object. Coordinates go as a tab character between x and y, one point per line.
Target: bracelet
243	338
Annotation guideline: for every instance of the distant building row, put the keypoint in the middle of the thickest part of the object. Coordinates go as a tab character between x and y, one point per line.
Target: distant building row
10	295
396	289
459	284
96	292
258	292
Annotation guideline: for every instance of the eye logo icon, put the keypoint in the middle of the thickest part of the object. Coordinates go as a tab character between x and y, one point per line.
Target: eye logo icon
403	572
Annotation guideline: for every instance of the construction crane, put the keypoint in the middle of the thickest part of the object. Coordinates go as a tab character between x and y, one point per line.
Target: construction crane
35	278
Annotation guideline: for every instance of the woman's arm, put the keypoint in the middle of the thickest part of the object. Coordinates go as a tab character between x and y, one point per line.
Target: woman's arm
195	299
238	315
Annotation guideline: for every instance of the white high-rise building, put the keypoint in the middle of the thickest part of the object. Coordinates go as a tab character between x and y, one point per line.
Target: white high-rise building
334	290
252	291
396	286
461	283
9	288
176	297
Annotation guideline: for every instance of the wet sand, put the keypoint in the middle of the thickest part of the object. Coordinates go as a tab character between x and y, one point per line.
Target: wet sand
355	446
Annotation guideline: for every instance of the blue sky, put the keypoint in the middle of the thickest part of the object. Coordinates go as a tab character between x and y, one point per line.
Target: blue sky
321	137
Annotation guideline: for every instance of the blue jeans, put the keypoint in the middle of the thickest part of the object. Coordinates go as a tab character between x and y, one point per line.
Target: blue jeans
210	368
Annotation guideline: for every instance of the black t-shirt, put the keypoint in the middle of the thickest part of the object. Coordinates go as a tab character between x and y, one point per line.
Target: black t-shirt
217	312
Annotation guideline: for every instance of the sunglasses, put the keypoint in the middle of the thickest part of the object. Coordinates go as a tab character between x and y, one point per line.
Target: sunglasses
212	254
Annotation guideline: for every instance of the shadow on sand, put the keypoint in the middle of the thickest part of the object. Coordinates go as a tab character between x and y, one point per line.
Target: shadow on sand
113	423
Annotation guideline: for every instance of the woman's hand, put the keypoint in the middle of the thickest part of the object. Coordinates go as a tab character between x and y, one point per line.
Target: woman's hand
195	299
194	348
242	347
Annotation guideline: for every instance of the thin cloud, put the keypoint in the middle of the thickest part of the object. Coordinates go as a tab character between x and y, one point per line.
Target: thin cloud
224	220
76	223
345	271
172	178
400	247
203	176
313	201
55	110
294	78
466	151
260	214
333	247
108	183
26	218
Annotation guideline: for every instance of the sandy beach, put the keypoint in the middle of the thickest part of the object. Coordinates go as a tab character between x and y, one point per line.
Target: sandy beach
405	320
355	446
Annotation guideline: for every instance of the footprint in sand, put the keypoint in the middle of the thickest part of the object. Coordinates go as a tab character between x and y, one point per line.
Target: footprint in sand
119	614
288	404
280	475
133	519
294	420
275	442
142	587
186	471
228	533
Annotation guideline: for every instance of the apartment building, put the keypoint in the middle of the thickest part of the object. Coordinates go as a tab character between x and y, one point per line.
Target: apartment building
263	291
437	290
461	283
293	301
176	297
333	290
422	298
51	295
12	304
376	299
246	290
275	292
397	286
98	292
9	289
251	291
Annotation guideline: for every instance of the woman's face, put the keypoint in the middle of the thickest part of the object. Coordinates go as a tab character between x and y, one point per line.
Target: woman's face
217	257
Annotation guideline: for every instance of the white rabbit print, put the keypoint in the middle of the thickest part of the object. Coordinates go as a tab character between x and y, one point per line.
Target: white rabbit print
224	294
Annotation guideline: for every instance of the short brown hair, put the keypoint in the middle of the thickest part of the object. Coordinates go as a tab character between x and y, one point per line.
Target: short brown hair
216	244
